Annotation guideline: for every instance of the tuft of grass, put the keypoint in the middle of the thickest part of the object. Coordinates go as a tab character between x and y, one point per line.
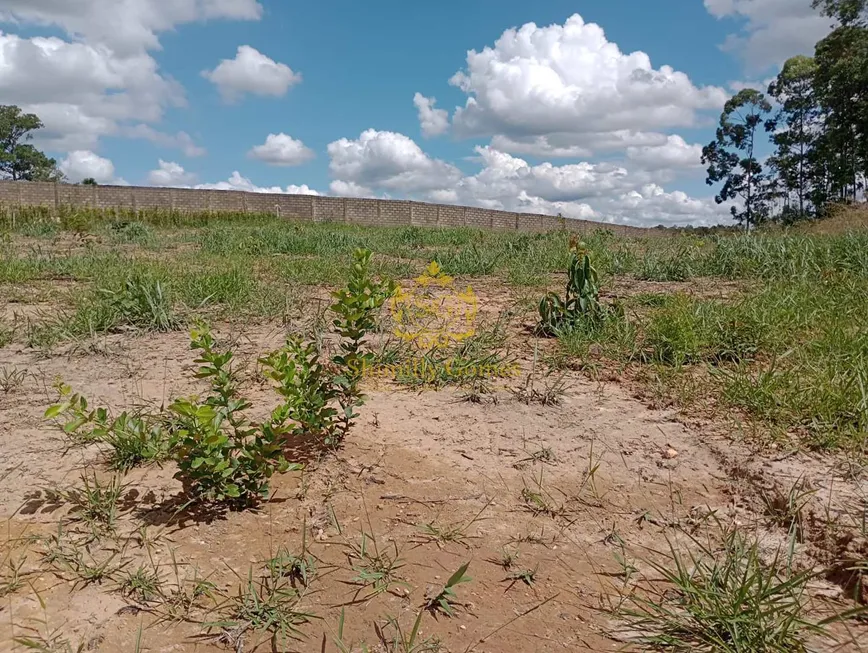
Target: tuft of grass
141	302
376	568
394	639
265	606
723	599
455	532
96	503
526	576
299	569
11	378
143	584
787	509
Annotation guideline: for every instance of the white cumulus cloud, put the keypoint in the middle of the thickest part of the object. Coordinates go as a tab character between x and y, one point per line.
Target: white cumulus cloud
126	26
282	150
83	164
251	72
770	31
388	160
170	173
432	121
674	154
82	91
568	87
173	175
629	192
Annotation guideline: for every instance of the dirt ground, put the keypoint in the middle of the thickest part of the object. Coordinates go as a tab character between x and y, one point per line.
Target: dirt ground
619	473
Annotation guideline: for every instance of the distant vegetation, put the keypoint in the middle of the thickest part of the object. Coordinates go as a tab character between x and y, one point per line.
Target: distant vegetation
816	116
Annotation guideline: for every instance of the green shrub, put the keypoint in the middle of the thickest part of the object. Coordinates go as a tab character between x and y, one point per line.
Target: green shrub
220	454
134	439
582	300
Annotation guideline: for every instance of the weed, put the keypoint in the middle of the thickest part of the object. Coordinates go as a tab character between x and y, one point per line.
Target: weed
444	599
394	640
298	569
12	574
96	503
543	455
340	641
143	585
263	605
506	559
554	386
142	302
186	593
457	532
11	378
787	510
376	568
134	438
47	642
539	501
526	576
723	599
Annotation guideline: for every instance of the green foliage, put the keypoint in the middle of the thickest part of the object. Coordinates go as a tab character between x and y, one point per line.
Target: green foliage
723	599
795	130
135	438
267	606
142	303
732	160
443	600
320	400
581	302
18	160
131	232
221	455
308	388
96	503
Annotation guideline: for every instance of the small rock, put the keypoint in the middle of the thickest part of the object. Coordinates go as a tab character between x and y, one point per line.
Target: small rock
670	454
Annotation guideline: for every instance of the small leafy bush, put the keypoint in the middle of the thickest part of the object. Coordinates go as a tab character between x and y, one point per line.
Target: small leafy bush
219	453
582	299
135	438
322	400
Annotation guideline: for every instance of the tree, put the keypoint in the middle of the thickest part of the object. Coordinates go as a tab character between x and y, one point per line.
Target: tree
847	12
732	160
795	129
18	160
841	87
90	181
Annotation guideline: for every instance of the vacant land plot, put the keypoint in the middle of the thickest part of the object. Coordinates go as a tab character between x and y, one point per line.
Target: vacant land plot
562	446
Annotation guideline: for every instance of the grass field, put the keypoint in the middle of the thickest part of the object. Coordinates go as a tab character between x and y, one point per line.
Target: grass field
710	353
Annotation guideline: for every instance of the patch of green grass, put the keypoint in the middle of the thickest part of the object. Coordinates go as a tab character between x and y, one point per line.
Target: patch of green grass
721	597
268	608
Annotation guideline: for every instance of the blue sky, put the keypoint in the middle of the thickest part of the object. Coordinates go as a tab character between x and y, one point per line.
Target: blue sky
564	119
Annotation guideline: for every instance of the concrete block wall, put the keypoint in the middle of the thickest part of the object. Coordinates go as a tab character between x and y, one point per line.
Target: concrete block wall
351	210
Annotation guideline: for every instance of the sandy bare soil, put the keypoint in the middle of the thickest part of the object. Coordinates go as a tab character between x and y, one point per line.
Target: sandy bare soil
617	473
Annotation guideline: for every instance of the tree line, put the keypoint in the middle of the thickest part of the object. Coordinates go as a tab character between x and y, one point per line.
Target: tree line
815	113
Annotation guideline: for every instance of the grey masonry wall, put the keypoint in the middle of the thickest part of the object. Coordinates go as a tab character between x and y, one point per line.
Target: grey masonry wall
351	210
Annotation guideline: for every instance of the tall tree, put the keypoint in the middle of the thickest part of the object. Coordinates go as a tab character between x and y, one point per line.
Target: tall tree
795	129
841	87
18	159
731	158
